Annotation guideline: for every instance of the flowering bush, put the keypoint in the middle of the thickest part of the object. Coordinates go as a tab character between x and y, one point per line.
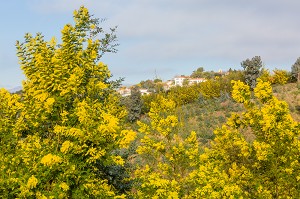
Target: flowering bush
267	167
56	137
280	77
167	157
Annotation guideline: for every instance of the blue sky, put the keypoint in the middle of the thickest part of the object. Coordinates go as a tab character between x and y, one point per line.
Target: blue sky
164	38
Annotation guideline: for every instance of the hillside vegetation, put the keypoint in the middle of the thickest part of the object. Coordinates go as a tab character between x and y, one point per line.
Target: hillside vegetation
289	93
69	134
206	115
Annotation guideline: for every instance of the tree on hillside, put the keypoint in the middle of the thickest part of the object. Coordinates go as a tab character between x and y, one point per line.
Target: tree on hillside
185	82
252	69
198	73
155	86
296	71
157	80
134	105
58	140
147	84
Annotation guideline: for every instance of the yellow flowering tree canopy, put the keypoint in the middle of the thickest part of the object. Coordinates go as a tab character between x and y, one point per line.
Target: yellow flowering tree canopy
60	134
168	158
266	166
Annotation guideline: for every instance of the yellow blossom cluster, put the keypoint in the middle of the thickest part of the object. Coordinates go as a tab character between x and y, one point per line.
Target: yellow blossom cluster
241	92
66	122
127	137
32	182
66	146
49	160
260	168
64	186
263	90
172	157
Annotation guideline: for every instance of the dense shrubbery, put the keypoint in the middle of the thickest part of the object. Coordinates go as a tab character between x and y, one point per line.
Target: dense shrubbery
212	88
265	166
134	104
59	138
295	72
184	95
167	157
65	135
278	77
205	115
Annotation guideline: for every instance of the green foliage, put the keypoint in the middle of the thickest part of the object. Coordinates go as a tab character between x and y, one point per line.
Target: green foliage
252	69
185	82
147	84
157	80
296	71
198	73
289	93
155	86
225	81
66	126
206	115
134	105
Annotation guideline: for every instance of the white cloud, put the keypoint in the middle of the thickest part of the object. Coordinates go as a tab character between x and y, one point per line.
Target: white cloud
155	32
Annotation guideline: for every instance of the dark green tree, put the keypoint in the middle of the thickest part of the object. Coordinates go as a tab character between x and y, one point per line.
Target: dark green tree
198	73
295	76
185	82
252	70
147	84
134	105
157	80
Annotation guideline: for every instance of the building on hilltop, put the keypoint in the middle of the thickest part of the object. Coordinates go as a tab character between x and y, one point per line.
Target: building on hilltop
176	81
144	91
196	80
179	80
124	91
168	84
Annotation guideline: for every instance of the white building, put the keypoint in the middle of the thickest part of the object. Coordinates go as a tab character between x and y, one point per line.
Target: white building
127	91
124	91
180	79
168	84
196	80
144	91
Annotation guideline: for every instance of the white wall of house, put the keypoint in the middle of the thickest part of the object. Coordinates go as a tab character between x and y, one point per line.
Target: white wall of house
196	80
179	80
144	92
124	91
